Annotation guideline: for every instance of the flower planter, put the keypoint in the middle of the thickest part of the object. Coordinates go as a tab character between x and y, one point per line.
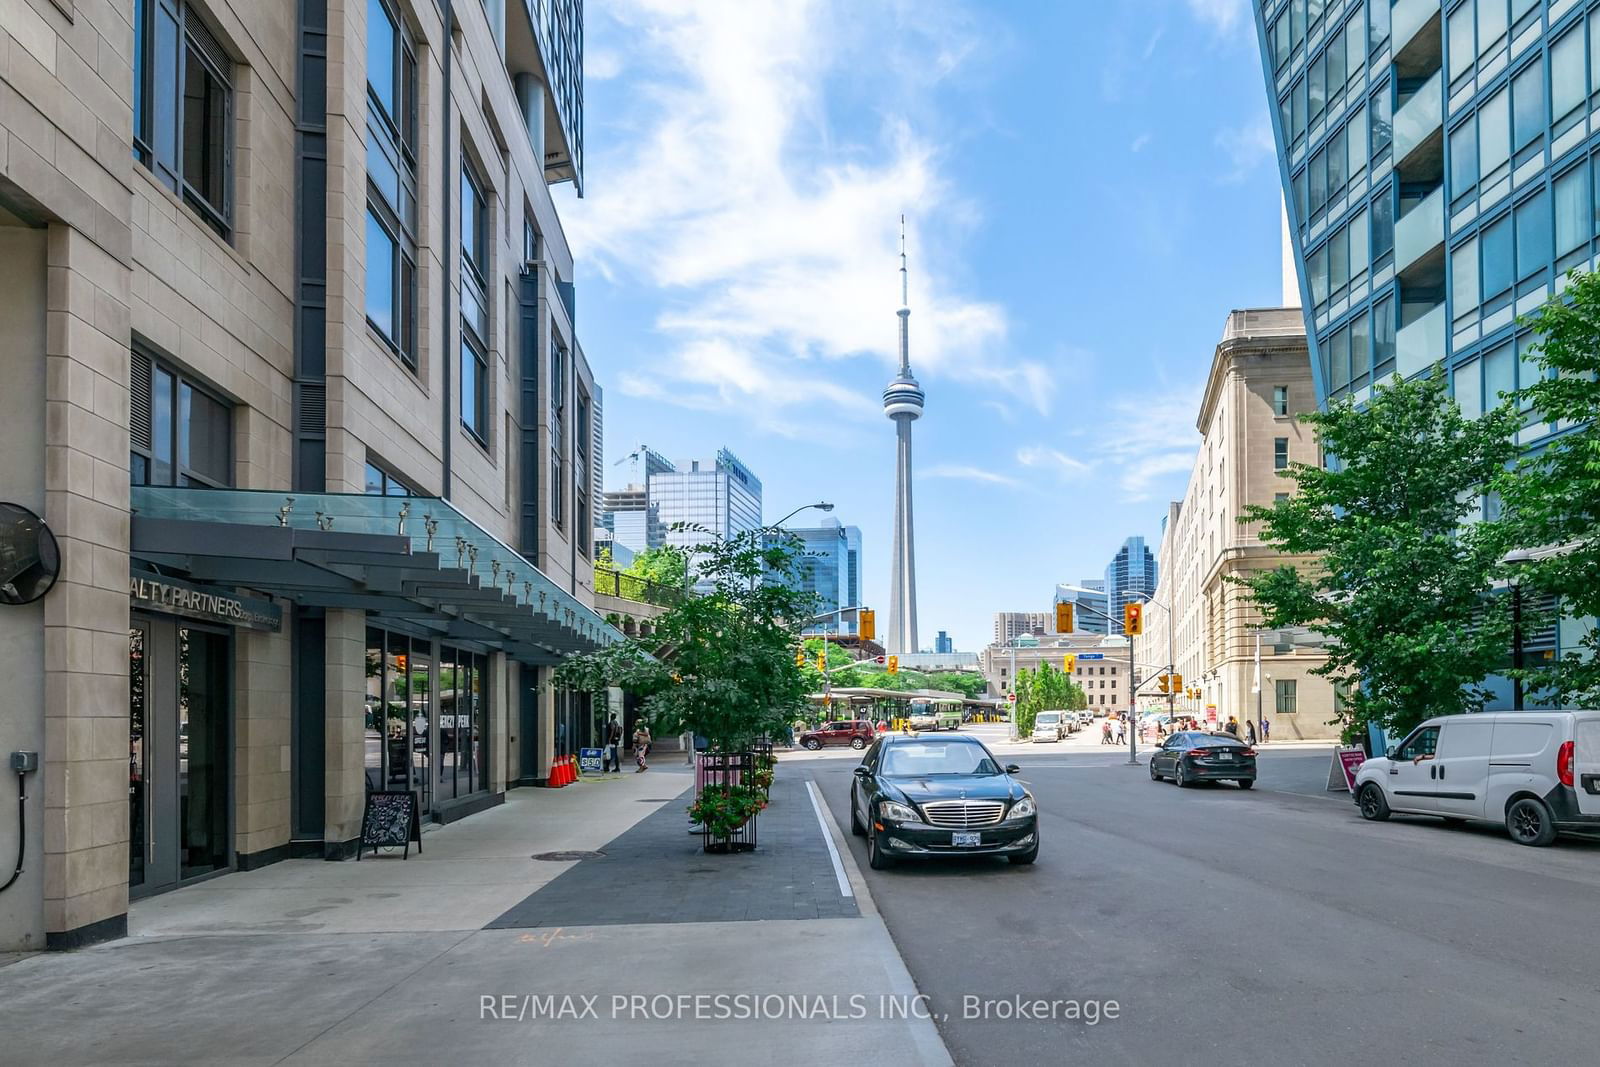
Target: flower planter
728	803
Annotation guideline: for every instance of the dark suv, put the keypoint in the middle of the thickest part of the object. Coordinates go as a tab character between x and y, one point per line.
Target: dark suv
857	733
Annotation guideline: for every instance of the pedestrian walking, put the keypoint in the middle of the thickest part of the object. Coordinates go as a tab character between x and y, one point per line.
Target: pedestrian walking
1105	732
1250	733
641	747
613	753
1233	726
1266	730
1122	731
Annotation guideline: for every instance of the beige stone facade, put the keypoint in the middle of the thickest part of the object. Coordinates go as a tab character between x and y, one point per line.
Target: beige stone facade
262	309
1104	680
1260	382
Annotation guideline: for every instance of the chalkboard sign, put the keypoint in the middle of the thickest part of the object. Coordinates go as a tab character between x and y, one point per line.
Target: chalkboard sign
390	820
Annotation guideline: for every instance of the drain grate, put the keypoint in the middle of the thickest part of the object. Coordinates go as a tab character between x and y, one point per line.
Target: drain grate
566	857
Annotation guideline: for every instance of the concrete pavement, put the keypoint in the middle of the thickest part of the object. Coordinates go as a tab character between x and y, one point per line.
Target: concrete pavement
1250	927
388	961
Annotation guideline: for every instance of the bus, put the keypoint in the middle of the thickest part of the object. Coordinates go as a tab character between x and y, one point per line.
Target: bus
935	714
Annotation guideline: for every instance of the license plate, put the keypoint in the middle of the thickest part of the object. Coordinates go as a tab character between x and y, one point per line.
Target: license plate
1226	757
965	840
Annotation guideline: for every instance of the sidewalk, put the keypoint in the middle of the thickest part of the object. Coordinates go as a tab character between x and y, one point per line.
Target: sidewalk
466	951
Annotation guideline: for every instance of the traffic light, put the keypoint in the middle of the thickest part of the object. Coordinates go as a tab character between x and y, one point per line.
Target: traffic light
1163	682
894	664
1069	662
868	625
1133	618
822	659
800	656
1177	682
1063	617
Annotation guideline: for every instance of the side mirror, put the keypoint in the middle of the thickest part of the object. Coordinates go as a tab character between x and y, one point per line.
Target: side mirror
862	771
1012	768
1390	752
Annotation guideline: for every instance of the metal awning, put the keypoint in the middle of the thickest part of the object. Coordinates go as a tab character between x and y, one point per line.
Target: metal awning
414	558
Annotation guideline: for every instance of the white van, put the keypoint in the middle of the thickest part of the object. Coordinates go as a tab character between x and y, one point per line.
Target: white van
1048	726
1538	772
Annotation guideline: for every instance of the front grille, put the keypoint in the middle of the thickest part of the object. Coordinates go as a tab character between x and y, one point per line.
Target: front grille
964	814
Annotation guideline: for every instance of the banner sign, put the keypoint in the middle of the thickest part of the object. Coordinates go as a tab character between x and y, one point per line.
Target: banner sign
591	759
1346	762
204	604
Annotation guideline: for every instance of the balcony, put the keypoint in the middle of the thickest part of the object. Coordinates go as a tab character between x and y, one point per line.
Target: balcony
1419	231
1421	344
1407	18
1420	118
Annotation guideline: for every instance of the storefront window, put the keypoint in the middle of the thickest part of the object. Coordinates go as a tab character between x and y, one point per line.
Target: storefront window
203	749
399	676
463	722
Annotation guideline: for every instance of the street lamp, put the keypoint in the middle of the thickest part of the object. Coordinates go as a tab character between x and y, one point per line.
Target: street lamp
820	506
1520	555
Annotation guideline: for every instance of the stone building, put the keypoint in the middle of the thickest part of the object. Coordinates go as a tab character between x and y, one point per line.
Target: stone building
293	376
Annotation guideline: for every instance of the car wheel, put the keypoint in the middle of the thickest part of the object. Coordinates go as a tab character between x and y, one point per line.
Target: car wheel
812	743
877	859
1372	803
855	819
1154	777
1183	777
1529	823
858	743
1247	783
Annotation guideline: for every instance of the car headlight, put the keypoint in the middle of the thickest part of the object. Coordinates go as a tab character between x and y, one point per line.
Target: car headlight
897	812
1021	809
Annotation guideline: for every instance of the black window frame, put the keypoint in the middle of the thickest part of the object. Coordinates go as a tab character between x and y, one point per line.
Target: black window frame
388	483
194	38
475	327
558	407
394	137
145	376
1280	453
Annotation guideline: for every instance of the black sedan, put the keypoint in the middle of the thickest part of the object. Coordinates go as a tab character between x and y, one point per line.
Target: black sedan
914	797
1190	757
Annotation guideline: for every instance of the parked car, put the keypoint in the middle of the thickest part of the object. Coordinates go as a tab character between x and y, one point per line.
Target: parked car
914	797
1191	757
857	733
1537	773
1048	726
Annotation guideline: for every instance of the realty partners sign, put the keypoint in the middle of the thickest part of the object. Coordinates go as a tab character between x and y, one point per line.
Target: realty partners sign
206	605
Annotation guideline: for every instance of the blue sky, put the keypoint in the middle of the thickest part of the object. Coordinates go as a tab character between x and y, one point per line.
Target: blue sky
1089	188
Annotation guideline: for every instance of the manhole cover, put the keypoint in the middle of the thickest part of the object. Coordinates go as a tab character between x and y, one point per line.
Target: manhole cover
566	857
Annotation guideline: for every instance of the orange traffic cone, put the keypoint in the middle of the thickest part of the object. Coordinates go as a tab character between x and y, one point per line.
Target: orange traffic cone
555	775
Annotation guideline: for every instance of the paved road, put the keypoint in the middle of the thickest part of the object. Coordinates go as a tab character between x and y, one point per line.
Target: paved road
1263	927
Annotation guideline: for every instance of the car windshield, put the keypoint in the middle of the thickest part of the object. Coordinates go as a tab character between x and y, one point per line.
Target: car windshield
1048	716
937	757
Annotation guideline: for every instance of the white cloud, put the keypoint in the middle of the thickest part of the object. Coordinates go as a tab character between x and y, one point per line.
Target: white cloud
1164	440
1246	147
772	236
960	472
1067	467
1139	143
1224	15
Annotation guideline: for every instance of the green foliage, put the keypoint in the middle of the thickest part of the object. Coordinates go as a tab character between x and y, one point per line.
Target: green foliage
666	565
1402	589
723	809
970	685
1045	689
1554	499
721	664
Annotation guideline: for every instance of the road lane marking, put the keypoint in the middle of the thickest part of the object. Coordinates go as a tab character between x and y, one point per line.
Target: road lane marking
827	838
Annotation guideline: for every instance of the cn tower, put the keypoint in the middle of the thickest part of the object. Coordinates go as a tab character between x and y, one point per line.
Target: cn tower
902	402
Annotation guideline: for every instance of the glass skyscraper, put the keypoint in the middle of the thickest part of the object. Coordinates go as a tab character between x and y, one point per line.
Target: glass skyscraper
1437	158
1132	572
1093	620
716	498
830	566
1441	163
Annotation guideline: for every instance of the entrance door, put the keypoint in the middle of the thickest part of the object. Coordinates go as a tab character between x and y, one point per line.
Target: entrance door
180	753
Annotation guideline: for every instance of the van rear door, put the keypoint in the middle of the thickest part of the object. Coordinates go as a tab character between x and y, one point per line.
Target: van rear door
1461	767
1586	765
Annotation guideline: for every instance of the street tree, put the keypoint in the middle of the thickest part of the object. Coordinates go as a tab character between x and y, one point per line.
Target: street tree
664	565
1401	586
720	664
1553	500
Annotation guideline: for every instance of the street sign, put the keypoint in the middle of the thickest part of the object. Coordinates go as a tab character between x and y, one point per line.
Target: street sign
1091	655
880	660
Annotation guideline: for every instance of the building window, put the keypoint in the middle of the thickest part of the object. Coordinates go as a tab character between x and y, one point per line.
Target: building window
1280	453
581	524
558	407
1287	697
1280	400
1279	498
379	482
391	276
474	307
180	433
463	722
183	107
